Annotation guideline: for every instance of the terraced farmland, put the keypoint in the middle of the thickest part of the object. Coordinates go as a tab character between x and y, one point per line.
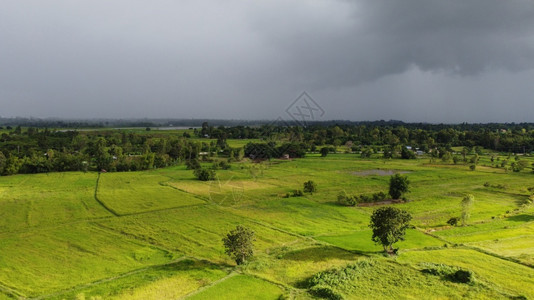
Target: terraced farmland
157	234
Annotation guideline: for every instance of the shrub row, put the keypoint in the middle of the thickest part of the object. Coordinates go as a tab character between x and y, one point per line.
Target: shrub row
351	200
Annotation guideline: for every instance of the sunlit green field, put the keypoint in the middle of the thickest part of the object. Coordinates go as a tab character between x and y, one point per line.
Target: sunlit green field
141	192
157	234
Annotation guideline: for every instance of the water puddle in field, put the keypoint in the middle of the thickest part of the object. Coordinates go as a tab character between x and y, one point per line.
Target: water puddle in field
379	172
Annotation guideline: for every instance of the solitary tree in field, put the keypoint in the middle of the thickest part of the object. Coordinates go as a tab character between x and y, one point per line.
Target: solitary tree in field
389	226
238	244
324	151
467	203
310	187
398	185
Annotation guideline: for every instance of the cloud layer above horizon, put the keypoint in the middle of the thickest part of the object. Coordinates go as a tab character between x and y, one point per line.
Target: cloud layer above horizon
411	60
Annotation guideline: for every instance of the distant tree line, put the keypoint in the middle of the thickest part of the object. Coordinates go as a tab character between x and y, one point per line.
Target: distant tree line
36	150
504	137
41	150
516	138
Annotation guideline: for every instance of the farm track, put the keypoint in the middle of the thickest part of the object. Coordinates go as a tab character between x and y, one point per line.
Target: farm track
232	274
510	259
279	284
235	273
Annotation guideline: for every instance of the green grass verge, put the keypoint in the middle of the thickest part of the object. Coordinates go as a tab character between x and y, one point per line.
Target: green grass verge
241	287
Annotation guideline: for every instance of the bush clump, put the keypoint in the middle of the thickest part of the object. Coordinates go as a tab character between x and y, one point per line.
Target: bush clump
380	196
346	200
462	276
310	187
352	200
398	186
328	284
325	293
204	174
449	273
221	165
496	186
453	221
295	193
192	164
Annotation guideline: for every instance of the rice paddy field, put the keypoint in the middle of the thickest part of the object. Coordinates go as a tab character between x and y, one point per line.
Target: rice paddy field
157	234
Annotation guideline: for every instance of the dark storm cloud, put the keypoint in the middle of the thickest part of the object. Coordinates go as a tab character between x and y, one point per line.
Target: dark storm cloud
378	38
249	59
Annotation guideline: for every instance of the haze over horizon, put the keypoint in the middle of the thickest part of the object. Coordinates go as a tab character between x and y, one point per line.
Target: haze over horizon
413	60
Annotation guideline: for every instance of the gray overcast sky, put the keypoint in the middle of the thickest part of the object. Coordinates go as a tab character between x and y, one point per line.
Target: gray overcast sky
411	60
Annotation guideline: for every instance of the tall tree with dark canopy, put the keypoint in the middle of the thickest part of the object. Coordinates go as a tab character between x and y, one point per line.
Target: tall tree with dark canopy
238	244
389	226
398	185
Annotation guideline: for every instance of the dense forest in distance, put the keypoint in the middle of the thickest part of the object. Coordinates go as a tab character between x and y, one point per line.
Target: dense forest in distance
38	148
170	122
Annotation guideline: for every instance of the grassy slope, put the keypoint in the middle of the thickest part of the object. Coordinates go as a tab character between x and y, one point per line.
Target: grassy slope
241	287
503	276
47	199
45	261
56	236
169	281
387	279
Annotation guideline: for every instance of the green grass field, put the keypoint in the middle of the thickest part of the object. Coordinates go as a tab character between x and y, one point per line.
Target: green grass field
157	234
142	192
241	287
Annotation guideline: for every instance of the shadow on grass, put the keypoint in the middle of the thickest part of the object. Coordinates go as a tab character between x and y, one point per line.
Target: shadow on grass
519	199
334	203
323	253
189	264
521	218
